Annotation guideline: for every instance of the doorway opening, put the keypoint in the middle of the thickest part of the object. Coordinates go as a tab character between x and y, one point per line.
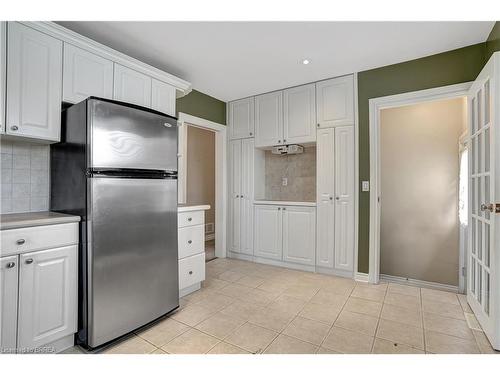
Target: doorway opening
418	232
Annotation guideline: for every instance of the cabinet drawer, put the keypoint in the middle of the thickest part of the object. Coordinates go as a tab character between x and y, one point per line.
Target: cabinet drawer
191	218
21	240
191	240
191	270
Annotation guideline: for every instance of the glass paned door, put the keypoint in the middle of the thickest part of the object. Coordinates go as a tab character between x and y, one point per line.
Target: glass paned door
482	270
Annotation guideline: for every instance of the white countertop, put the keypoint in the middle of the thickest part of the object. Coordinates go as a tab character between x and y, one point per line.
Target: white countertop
284	203
33	219
188	208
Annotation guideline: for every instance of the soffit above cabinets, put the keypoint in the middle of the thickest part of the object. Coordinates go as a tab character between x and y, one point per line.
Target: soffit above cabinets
233	60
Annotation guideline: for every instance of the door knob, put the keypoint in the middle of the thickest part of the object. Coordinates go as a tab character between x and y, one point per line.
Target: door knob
284	140
190	242
190	272
251	133
29	261
14	127
331	198
279	140
11	265
190	218
241	196
337	198
21	241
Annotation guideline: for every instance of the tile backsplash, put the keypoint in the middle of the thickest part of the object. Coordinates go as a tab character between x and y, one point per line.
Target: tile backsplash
300	172
24	176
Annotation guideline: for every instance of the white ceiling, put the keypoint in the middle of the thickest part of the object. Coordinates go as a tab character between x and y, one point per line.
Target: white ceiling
232	60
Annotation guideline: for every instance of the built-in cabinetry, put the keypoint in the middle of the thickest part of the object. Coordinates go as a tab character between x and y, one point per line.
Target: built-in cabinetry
191	240
44	64
38	287
269	119
241	193
241	118
335	102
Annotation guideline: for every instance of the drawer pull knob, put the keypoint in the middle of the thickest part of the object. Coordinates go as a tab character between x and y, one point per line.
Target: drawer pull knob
190	218
190	272
14	127
29	261
11	265
190	242
21	241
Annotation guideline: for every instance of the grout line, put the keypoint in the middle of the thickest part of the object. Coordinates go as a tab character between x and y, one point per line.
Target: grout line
378	321
422	318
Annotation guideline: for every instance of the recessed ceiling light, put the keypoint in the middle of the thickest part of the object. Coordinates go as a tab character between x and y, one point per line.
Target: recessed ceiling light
305	61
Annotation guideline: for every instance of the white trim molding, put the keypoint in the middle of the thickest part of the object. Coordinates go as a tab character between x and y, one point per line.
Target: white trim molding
419	283
361	277
220	173
376	105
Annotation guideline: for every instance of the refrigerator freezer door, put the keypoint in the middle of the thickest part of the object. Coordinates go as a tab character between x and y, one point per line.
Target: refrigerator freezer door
133	265
127	137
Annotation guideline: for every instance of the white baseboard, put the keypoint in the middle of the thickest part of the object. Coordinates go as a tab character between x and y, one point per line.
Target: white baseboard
334	272
419	283
189	290
209	236
362	277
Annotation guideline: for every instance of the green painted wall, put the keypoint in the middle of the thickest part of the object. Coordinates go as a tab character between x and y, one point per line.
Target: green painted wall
493	41
201	105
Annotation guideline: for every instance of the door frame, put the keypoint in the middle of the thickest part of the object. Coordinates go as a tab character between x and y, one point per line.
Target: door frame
220	172
375	107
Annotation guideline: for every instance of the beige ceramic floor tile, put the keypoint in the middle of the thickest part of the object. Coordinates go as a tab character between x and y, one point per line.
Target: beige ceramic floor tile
321	313
403	289
462	298
259	297
349	342
401	333
403	300
273	319
216	302
133	345
225	348
230	276
214	284
287	304
273	286
357	322
159	351
235	290
251	281
193	314
440	296
241	309
381	346
402	315
301	291
307	330
338	287
448	326
472	321
368	293
289	345
363	306
163	332
326	297
199	295
191	342
483	343
444	309
323	350
251	338
444	344
381	286
220	325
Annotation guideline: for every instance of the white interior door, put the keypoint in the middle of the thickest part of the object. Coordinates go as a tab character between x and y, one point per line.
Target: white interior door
483	250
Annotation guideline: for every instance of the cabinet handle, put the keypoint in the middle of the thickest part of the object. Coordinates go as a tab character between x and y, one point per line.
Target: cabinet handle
331	198
29	261
241	196
14	127
190	272
21	241
11	265
279	208
190	242
190	218
318	125
284	208
337	198
279	140
251	133
284	140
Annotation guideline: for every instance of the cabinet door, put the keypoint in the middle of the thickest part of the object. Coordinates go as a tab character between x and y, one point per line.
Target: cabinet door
34	92
299	235
85	74
247	193
344	198
325	234
163	97
268	232
335	102
241	118
47	296
234	196
269	119
9	269
299	114
3	71
131	86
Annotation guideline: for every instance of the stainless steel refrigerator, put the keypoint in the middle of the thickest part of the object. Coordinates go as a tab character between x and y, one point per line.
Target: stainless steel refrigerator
116	167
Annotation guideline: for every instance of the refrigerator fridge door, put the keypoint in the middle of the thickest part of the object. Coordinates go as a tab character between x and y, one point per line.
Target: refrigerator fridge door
132	254
125	137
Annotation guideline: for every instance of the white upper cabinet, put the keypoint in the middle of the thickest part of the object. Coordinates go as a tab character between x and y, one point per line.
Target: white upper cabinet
344	198
163	97
34	90
299	235
131	86
269	119
325	160
299	114
241	118
3	71
268	232
335	102
9	271
85	74
47	296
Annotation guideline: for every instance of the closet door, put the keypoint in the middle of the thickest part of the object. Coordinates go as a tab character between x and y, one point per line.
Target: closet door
268	232
241	118
34	90
3	71
299	114
325	236
344	198
335	102
269	119
234	196
246	197
299	235
131	86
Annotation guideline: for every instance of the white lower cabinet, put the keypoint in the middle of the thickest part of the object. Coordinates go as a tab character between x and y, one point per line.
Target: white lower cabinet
268	242
9	271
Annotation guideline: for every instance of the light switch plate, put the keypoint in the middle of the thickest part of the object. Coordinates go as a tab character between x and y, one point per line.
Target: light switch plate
284	181
365	185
